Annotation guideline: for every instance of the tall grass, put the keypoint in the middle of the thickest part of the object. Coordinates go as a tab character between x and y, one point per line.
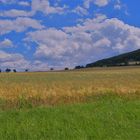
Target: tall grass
75	105
52	88
110	118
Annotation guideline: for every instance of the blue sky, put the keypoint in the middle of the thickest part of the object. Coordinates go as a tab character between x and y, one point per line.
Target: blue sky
40	34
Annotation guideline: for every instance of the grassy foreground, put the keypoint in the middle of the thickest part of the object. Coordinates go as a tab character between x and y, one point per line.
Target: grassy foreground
100	104
107	118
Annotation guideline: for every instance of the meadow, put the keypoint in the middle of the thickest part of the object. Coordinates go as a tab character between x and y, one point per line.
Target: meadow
99	103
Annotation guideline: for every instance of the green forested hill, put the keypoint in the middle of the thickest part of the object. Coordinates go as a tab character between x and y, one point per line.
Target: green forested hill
131	58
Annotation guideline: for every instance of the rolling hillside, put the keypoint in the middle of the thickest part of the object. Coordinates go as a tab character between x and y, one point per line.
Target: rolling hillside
131	58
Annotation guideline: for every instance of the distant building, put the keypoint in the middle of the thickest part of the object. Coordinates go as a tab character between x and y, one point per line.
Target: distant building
133	62
121	64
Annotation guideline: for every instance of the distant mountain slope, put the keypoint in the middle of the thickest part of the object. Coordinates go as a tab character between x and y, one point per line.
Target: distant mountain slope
131	58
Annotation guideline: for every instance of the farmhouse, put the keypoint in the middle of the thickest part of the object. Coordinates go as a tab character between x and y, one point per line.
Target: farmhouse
133	62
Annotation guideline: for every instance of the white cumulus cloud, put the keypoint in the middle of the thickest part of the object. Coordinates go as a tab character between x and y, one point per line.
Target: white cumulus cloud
6	43
18	25
15	60
100	3
92	40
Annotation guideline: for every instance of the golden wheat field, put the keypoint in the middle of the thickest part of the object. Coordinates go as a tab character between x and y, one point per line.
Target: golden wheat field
68	86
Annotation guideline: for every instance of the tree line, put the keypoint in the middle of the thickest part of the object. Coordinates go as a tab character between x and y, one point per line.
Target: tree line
11	70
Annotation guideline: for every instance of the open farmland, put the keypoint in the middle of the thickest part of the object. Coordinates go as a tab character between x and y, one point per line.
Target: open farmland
75	105
53	88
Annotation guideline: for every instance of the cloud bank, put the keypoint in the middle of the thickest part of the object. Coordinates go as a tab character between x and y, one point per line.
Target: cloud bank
55	34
